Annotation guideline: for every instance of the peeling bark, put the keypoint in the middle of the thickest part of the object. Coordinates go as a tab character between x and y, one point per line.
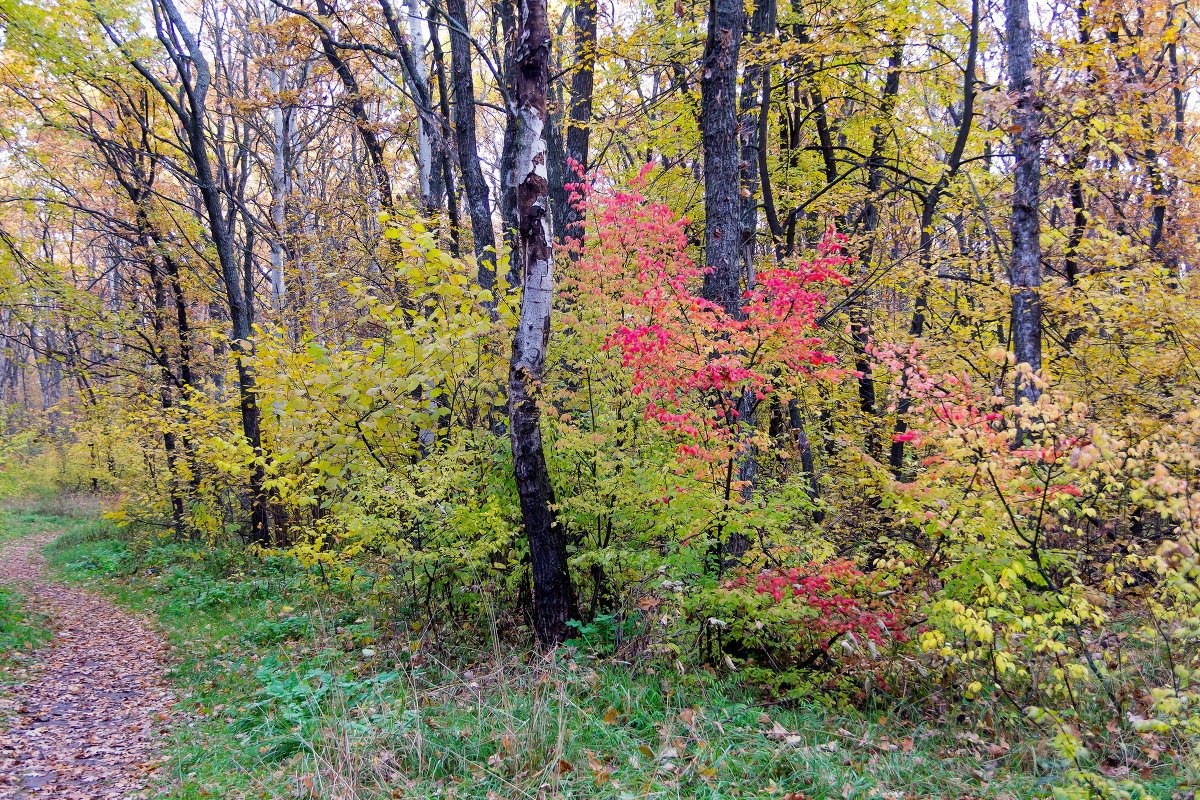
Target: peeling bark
552	593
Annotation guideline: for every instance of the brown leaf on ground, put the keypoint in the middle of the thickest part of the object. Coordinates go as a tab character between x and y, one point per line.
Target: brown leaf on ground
94	703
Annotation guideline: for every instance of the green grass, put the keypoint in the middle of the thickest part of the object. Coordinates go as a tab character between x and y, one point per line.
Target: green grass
284	692
21	629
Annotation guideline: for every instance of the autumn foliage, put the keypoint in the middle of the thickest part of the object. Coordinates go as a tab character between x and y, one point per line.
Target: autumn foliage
825	383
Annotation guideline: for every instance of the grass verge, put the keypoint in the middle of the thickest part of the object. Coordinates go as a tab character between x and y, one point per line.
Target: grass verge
287	692
22	629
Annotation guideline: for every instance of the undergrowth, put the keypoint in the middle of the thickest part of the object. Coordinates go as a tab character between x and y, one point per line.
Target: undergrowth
291	694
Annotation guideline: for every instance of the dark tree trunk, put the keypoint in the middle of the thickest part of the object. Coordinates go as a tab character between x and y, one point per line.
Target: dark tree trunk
508	197
860	312
1076	167
474	186
188	388
1025	269
166	391
1079	218
749	113
719	122
579	122
383	183
552	593
723	205
755	95
807	463
443	155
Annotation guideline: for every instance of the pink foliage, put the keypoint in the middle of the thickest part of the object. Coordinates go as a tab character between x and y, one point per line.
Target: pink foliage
837	597
951	413
690	359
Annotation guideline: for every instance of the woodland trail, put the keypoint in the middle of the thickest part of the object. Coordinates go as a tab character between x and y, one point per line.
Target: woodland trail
94	701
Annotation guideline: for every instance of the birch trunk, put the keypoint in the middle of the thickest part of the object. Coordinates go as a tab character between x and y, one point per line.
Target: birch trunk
552	594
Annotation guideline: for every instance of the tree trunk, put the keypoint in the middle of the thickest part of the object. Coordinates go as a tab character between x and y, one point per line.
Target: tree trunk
755	95
474	186
719	121
166	392
579	123
443	152
506	11
283	122
358	110
722	199
552	593
429	169
749	112
868	221
807	464
1025	269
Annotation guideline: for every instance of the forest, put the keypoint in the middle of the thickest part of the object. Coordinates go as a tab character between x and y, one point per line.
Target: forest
444	398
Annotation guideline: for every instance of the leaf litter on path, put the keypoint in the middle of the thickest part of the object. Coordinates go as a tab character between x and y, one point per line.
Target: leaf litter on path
85	722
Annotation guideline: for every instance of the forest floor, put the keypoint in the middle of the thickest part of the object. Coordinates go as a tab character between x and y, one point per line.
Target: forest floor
284	691
87	709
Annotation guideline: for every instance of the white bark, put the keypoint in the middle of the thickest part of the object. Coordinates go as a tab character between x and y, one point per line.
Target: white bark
416	33
279	193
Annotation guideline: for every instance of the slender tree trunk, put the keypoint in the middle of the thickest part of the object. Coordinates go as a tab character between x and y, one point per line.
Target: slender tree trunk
1178	132
443	152
358	110
579	122
189	389
166	393
506	11
929	208
433	157
755	95
807	463
1079	217
474	186
429	173
860	311
508	196
53	370
281	118
1025	269
191	61
552	593
6	360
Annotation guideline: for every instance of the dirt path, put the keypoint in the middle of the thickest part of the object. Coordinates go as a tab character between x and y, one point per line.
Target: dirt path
94	700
